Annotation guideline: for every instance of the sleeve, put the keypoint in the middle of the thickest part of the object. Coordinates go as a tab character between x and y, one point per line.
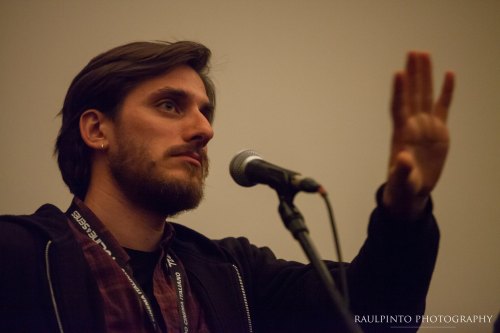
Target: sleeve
389	277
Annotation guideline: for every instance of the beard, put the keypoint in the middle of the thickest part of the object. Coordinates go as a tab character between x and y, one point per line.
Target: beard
148	184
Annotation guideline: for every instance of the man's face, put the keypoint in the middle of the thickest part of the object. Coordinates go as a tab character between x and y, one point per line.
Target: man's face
158	153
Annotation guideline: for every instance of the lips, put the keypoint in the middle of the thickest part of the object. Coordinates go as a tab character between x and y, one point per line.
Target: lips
191	156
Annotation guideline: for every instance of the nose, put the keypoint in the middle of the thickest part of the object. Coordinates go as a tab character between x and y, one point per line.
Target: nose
199	128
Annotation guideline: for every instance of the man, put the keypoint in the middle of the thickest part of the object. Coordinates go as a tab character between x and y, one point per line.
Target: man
132	148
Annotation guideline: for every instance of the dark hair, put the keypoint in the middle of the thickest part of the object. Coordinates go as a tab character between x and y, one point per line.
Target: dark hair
103	85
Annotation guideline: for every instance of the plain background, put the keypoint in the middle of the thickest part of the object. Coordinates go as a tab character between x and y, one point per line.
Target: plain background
305	83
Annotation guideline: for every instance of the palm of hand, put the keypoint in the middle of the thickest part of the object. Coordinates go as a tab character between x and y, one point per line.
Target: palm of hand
424	140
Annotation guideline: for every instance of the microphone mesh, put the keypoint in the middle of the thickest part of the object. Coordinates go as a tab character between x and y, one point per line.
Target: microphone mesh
238	165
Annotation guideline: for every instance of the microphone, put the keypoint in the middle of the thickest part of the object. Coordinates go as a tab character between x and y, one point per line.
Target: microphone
248	169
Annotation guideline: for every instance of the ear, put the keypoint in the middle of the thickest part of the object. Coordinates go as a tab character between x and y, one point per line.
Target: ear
94	128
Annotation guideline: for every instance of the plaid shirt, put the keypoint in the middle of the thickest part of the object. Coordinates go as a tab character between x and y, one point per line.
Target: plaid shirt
123	310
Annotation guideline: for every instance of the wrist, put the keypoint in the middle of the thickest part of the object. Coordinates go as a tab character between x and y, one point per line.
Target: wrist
404	207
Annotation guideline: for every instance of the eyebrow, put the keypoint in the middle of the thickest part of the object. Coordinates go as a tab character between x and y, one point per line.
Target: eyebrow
207	108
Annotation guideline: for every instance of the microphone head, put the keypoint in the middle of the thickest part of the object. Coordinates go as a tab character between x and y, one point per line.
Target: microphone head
238	165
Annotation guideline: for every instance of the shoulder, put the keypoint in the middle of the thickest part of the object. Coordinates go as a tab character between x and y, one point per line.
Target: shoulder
190	241
23	241
237	250
28	231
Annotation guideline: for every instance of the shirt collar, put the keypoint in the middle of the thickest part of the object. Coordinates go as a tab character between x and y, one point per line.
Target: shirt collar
96	225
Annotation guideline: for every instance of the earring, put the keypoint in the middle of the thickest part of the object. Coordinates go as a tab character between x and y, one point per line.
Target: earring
102	146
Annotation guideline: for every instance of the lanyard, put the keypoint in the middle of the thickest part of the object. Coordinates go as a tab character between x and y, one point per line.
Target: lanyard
175	274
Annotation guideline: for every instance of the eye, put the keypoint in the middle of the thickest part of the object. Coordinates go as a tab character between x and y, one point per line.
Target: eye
169	106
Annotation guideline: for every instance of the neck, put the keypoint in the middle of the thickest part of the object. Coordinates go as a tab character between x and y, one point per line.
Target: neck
132	226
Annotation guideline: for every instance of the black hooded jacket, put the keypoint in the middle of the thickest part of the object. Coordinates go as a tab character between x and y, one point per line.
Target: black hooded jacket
46	284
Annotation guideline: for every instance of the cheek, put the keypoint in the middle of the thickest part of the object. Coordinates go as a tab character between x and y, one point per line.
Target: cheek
158	147
150	132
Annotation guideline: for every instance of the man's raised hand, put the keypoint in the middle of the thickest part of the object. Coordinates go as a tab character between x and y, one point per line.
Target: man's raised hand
420	139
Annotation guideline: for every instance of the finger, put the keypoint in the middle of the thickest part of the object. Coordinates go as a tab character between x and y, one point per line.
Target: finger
444	101
412	85
399	179
398	109
425	82
402	169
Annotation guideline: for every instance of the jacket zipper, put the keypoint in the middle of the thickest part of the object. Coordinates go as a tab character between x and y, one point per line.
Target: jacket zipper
51	288
245	301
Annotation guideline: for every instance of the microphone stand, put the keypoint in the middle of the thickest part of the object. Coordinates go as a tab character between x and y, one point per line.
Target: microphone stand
294	222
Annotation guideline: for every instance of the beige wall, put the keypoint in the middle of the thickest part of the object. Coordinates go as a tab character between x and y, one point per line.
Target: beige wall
307	84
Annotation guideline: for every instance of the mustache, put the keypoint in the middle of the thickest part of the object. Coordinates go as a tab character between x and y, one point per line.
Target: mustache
186	149
192	149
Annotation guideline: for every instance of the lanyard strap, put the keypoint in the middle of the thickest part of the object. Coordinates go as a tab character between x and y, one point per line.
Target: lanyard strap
175	273
177	279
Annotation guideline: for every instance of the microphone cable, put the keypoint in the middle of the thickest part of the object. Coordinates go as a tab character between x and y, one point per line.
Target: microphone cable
336	241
